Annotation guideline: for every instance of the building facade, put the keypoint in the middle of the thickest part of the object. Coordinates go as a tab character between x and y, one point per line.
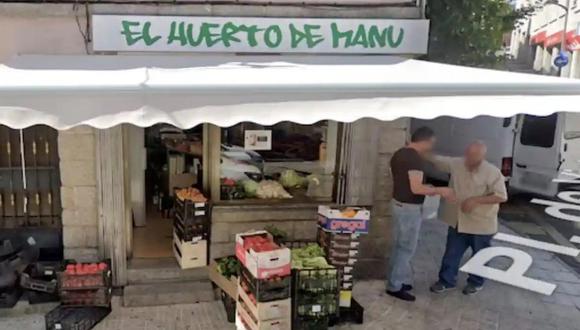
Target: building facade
537	39
95	186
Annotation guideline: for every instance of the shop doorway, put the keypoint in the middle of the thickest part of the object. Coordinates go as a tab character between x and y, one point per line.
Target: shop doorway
163	159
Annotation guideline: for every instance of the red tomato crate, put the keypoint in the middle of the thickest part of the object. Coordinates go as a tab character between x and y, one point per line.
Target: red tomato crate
84	276
261	256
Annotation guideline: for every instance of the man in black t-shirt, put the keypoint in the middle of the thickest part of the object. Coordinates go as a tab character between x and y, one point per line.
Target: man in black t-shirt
409	191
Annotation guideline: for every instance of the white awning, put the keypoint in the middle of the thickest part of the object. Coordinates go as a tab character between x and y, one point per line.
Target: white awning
103	91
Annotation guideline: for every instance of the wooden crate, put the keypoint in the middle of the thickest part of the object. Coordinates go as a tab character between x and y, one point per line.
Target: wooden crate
278	309
190	254
245	321
229	286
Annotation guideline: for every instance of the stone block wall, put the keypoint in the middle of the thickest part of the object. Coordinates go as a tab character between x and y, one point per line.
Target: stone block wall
79	192
299	221
375	247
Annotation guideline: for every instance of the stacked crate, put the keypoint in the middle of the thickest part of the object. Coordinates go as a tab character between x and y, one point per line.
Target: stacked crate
191	228
263	301
85	285
339	231
314	297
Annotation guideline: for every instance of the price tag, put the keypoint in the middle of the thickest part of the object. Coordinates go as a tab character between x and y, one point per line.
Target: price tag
316	308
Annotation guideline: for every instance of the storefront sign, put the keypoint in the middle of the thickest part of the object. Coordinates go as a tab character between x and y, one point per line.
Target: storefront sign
258	35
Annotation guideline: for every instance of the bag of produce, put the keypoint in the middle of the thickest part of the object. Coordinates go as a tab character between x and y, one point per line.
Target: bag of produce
268	189
291	179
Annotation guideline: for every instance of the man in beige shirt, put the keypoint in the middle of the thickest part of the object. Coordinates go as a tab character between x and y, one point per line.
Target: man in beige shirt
472	217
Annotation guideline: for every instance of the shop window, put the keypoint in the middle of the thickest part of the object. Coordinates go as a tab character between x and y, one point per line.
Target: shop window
539	131
285	161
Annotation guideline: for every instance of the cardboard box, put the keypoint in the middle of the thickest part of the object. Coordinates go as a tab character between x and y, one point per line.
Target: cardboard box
190	254
345	298
336	220
263	264
183	180
245	322
278	309
229	286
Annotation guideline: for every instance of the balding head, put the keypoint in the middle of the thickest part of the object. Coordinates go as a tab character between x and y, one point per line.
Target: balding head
475	154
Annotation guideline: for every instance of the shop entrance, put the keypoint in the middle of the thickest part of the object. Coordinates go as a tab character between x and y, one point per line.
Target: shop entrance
170	158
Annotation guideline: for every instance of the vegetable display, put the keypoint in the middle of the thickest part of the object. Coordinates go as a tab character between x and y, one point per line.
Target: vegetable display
268	189
278	234
190	194
259	243
250	187
229	266
291	179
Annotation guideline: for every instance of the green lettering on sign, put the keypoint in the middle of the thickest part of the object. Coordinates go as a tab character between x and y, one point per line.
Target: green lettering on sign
307	35
132	37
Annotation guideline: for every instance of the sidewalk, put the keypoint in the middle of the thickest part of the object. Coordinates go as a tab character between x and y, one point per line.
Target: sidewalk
498	306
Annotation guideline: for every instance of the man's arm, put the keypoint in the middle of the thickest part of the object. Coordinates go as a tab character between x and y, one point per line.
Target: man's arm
418	188
442	163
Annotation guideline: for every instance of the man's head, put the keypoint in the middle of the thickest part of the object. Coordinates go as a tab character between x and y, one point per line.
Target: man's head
423	140
475	154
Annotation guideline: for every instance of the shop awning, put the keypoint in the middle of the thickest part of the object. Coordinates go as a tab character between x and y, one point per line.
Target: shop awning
103	91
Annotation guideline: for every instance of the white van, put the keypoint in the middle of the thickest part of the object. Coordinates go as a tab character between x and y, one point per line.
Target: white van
454	134
545	147
531	151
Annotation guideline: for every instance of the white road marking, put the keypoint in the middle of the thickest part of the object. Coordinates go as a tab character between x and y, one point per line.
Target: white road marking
573	252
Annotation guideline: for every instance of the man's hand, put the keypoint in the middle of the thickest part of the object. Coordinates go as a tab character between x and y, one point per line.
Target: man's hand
446	193
468	205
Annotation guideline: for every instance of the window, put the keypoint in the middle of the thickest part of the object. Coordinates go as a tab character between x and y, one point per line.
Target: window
539	131
301	158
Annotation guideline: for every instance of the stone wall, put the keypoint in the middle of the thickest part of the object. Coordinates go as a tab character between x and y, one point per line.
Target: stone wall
78	192
299	221
375	247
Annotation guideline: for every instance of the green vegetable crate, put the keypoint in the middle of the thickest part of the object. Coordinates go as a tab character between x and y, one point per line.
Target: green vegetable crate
266	290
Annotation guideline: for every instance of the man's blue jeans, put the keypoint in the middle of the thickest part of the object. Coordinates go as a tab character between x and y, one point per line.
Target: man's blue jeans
457	244
406	227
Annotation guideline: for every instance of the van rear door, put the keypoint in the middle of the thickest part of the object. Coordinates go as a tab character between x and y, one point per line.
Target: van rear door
537	154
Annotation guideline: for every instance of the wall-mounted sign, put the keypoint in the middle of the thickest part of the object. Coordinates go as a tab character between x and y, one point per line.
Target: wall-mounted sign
257	139
258	35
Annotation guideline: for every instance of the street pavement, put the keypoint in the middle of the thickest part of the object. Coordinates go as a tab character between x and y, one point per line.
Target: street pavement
498	306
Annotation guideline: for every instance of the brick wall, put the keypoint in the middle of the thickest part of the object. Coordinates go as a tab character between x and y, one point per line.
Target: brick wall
78	192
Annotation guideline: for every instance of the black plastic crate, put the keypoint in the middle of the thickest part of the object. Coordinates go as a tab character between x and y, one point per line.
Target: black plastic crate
191	211
36	297
10	296
189	232
29	283
75	318
319	280
265	290
310	323
352	314
94	298
230	306
315	305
